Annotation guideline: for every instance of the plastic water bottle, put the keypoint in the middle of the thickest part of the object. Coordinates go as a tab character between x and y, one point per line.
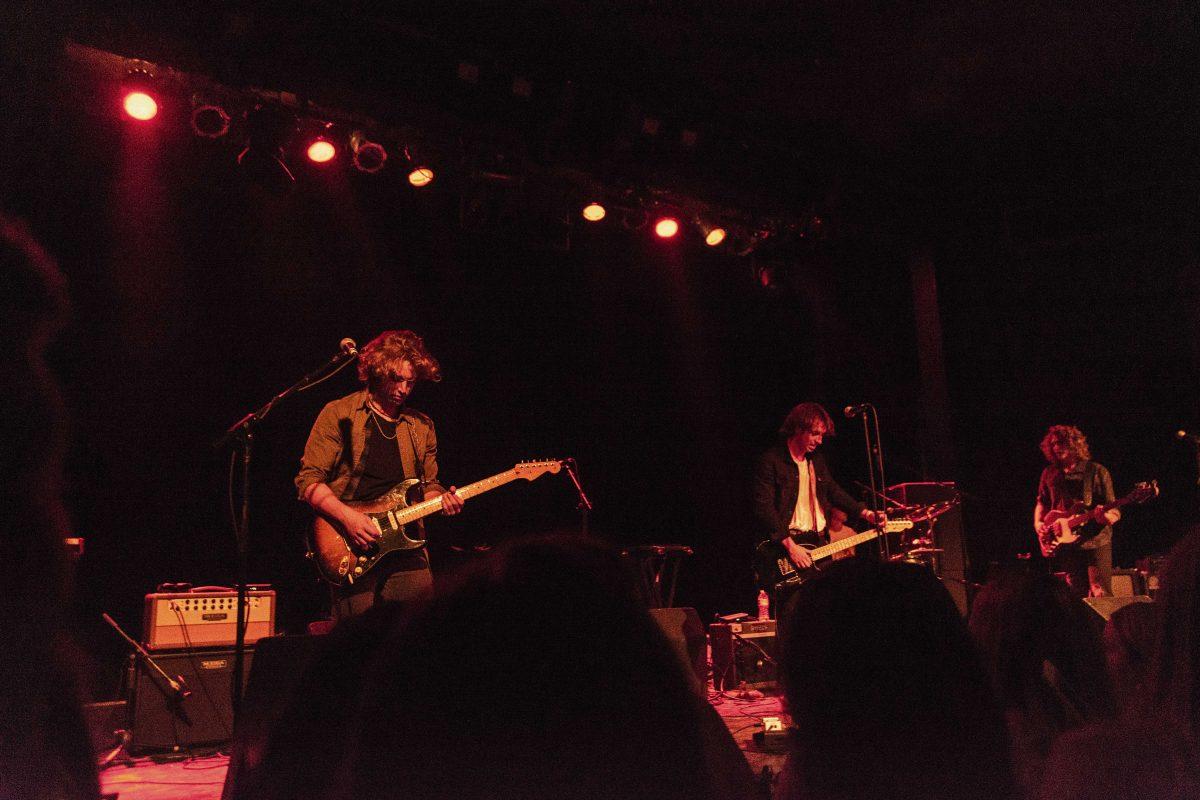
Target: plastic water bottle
764	605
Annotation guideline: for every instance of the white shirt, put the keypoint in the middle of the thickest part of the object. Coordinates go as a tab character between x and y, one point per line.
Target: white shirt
808	515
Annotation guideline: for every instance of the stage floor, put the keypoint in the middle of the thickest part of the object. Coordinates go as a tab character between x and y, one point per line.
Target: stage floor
203	778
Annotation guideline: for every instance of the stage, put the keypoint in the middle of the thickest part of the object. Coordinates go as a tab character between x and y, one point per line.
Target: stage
203	777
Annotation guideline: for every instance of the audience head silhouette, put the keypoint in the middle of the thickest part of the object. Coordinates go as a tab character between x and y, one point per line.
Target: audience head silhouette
886	691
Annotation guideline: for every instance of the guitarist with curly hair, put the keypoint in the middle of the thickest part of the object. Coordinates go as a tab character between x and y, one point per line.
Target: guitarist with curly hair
360	448
1073	482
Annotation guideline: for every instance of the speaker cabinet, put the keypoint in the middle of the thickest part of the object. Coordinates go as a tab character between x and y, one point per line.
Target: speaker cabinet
162	721
686	635
743	652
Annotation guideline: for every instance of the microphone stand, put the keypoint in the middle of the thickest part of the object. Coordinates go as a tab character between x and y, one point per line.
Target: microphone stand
241	435
177	685
585	505
875	462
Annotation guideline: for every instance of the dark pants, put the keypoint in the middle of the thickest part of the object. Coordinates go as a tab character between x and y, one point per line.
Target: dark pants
1074	562
397	578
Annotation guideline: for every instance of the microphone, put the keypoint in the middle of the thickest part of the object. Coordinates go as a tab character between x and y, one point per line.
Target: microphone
348	347
180	687
853	411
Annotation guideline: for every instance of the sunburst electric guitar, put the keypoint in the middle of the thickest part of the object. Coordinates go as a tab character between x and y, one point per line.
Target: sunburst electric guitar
1061	528
341	563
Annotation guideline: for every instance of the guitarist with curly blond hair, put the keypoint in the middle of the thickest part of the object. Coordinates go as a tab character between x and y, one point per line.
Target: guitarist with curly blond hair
1072	482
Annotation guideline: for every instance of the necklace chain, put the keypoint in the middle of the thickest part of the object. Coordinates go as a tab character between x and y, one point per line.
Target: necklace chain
375	415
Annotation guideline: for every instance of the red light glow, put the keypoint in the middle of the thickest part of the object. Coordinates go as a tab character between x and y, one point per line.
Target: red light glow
666	227
321	151
593	212
140	106
714	237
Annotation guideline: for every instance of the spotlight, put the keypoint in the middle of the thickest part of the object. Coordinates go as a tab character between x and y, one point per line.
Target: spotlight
209	121
666	227
713	235
140	106
593	212
420	176
368	156
138	102
321	151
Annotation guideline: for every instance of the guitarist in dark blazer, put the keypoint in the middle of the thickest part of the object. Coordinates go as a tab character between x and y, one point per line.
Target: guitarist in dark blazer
782	510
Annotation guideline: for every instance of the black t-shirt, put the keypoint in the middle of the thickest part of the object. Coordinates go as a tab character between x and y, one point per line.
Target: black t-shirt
382	467
1062	490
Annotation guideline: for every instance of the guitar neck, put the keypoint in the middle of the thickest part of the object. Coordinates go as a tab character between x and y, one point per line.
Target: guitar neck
1083	517
433	505
842	544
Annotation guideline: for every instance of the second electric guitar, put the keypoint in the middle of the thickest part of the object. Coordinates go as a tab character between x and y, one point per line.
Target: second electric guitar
1061	528
773	566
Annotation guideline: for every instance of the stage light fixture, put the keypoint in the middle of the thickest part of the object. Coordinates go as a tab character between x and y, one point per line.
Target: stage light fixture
634	219
593	212
321	151
138	100
209	121
368	156
420	177
713	235
269	129
140	106
666	227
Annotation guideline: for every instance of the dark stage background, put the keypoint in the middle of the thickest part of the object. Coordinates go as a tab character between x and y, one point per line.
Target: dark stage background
663	368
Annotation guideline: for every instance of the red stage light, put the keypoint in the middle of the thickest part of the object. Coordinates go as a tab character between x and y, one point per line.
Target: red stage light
321	151
666	227
593	212
714	237
140	106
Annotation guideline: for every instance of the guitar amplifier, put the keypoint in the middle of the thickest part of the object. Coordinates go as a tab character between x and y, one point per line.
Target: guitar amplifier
183	620
743	652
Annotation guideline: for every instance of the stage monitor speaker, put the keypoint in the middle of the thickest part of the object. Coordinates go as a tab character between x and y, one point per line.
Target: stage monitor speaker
686	635
105	721
1107	606
952	563
161	721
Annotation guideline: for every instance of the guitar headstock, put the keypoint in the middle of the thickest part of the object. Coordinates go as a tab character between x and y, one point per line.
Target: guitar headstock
530	470
1144	491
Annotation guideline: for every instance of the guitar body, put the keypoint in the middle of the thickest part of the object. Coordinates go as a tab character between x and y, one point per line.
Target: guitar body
1069	527
772	565
1059	532
341	564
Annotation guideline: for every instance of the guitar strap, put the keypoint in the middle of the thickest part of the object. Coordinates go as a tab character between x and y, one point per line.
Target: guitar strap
1089	475
418	464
